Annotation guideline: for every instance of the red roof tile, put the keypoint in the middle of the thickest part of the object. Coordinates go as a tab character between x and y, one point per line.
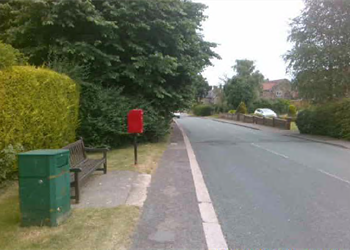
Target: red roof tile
269	85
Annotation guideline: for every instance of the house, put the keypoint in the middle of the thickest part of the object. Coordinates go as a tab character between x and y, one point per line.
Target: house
215	95
278	89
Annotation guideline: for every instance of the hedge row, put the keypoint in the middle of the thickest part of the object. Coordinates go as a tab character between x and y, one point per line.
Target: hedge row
39	109
332	119
202	110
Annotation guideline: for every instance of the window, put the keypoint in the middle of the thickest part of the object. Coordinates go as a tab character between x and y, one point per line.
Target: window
279	93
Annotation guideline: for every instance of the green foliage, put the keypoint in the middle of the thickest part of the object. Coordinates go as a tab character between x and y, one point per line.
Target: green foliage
144	50
104	121
203	110
292	111
319	59
220	108
245	85
232	111
242	108
39	108
8	158
331	119
10	56
201	88
280	106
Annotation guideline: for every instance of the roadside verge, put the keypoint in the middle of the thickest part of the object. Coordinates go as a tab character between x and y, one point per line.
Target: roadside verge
295	134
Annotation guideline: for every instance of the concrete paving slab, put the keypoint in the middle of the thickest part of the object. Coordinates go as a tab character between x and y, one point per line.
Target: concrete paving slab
110	190
138	192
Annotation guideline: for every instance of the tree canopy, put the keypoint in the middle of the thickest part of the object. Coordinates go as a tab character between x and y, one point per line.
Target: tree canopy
144	50
148	47
245	85
320	57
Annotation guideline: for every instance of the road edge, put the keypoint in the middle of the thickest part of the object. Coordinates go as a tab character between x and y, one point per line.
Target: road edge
318	141
212	229
230	122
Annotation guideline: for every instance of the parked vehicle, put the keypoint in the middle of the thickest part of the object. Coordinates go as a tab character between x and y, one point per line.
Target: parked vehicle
177	114
268	113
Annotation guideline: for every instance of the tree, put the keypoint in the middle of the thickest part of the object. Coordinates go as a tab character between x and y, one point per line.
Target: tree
201	88
320	57
150	50
245	85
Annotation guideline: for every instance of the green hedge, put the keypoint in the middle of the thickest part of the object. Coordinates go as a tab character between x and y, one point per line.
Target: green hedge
202	110
10	56
332	119
242	108
39	109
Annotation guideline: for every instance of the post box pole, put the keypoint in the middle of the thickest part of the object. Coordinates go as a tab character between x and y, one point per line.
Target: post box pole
135	148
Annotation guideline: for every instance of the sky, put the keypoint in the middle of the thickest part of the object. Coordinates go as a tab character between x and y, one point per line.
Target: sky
249	29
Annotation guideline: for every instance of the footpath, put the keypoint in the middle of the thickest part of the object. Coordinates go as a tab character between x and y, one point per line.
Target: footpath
296	134
170	217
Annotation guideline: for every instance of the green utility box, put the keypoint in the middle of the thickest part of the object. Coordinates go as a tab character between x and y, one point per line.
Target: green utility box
44	187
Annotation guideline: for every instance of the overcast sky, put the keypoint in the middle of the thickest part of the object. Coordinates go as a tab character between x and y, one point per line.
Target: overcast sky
249	29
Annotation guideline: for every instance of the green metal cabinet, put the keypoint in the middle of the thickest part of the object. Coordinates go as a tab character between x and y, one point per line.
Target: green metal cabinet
44	187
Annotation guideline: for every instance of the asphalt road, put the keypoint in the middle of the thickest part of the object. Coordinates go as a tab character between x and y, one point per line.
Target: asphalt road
273	191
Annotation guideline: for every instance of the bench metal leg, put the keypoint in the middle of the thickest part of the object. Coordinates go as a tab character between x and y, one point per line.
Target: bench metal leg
77	188
105	164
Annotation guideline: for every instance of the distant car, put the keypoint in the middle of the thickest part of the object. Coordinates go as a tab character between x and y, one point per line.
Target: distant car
177	114
268	113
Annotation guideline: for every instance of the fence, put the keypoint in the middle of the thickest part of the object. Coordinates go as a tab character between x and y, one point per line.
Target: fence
272	122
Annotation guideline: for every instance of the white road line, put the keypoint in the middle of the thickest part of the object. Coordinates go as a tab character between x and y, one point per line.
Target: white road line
319	170
271	151
334	176
212	230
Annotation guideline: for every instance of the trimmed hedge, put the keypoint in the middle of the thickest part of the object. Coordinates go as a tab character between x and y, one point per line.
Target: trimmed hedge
242	108
39	109
292	111
332	119
203	110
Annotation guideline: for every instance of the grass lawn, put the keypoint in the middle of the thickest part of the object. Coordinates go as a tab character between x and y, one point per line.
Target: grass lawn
149	155
294	127
88	228
103	228
214	116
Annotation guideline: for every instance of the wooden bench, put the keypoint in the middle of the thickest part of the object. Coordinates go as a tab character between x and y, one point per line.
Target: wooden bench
81	166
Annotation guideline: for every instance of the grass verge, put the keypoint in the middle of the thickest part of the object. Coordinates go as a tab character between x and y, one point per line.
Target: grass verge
90	228
87	228
294	127
149	155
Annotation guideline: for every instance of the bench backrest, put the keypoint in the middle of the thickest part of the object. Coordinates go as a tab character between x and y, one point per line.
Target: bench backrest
77	153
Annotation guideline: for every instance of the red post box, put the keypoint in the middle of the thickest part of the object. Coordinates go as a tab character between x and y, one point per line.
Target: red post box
135	121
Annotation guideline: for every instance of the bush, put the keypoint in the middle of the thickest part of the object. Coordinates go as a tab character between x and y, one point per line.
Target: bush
242	108
10	56
292	111
8	159
332	119
202	110
39	109
220	108
232	111
104	120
